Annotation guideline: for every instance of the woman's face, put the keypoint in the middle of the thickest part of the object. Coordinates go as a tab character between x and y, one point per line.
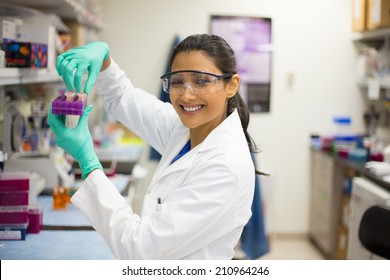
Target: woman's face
200	112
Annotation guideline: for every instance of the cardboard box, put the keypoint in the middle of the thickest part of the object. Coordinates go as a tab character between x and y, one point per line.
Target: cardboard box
25	54
34	33
378	14
7	31
77	33
43	34
359	15
81	34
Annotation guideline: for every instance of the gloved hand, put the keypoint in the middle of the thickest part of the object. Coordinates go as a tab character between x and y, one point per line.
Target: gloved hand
76	141
89	57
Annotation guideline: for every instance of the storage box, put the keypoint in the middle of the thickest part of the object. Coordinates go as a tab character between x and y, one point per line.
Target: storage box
359	15
25	54
7	31
35	220
14	214
34	33
13	231
78	33
14	188
42	34
13	198
378	14
14	181
81	34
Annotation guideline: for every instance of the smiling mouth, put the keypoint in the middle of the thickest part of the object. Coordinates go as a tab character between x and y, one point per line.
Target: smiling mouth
192	109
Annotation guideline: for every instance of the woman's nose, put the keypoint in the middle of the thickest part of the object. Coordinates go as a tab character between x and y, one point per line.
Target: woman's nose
187	89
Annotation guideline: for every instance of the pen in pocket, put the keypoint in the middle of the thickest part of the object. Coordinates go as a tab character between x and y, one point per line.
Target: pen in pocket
158	203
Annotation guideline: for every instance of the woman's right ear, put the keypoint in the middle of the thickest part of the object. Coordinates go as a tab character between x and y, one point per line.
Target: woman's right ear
233	85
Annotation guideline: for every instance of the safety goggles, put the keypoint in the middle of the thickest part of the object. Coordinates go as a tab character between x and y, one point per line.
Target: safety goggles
197	81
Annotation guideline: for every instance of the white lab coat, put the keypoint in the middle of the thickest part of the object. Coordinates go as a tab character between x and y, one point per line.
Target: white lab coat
206	195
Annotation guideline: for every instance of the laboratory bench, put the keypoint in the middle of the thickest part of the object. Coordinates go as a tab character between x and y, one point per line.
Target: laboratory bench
331	180
360	169
66	234
57	245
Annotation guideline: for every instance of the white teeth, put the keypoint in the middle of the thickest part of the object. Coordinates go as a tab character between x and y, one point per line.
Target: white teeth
192	109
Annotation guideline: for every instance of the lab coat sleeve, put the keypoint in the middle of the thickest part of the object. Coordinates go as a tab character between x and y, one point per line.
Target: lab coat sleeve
193	216
144	114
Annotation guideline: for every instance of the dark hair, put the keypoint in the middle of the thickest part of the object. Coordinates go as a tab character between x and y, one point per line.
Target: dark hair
223	56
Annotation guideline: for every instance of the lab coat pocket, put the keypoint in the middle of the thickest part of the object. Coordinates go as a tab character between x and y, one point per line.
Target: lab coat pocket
151	204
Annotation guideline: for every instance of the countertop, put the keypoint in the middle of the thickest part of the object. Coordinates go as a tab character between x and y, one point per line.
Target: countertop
66	234
359	166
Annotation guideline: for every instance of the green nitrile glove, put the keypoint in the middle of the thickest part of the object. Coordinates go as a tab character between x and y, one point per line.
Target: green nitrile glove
89	57
76	141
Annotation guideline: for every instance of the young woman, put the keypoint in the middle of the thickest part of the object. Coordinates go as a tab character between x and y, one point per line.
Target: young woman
201	193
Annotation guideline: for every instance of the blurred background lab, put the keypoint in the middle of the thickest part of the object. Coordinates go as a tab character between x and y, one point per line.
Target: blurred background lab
315	75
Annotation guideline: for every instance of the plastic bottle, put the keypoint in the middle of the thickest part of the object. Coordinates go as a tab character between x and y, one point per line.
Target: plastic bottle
342	126
343	137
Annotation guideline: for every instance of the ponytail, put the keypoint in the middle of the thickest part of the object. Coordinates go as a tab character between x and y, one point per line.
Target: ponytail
236	102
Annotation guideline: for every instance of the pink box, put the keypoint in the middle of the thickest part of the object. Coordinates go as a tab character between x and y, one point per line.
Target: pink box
13	214
14	181
14	187
14	198
35	221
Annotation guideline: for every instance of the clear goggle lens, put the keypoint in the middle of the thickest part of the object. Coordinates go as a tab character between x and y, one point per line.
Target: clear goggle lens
198	82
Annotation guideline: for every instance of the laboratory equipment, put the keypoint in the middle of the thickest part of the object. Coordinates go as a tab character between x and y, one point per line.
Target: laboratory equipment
343	137
48	163
69	103
61	198
365	194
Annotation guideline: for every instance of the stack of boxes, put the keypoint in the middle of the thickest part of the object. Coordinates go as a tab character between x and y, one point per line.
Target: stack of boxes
27	42
370	15
25	45
14	210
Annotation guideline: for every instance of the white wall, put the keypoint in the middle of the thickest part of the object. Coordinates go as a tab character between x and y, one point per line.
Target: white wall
312	42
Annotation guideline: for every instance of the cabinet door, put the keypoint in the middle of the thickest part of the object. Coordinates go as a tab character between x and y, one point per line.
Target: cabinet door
321	200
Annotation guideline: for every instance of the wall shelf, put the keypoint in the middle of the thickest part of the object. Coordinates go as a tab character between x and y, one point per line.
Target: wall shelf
12	76
84	12
383	84
374	35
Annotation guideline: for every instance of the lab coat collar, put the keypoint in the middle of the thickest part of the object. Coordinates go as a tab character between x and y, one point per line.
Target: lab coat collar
223	133
227	130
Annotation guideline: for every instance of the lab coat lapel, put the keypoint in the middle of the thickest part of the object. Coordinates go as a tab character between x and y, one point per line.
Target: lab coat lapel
227	130
165	167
